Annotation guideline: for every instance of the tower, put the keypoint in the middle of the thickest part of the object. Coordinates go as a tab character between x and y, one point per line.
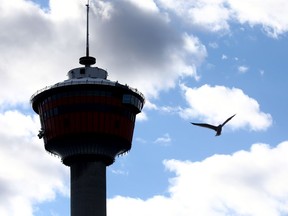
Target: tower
87	120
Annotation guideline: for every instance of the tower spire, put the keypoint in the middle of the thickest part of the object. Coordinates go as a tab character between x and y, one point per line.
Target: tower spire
87	30
87	60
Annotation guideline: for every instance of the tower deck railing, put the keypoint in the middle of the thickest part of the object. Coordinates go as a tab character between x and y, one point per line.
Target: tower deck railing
85	81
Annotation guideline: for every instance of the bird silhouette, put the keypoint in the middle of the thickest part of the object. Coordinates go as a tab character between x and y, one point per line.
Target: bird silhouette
218	128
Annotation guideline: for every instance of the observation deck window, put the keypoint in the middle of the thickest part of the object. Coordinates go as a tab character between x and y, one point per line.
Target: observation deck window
131	99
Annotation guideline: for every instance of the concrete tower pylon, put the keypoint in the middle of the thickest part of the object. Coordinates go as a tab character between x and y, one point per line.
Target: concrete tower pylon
87	120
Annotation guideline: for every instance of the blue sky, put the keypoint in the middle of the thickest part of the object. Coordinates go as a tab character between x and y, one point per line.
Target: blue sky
195	61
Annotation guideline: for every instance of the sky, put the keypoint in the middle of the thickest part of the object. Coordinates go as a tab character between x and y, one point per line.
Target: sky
195	61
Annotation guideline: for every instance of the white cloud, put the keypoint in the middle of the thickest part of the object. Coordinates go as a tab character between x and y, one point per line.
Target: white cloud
210	15
141	116
164	140
195	48
148	5
238	184
28	175
163	109
35	48
138	56
224	57
215	104
243	69
269	14
57	7
216	15
103	9
39	47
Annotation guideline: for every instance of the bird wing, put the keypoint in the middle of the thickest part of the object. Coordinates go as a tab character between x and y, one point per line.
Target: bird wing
228	120
205	125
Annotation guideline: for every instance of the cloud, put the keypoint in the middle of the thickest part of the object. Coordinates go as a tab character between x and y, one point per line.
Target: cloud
140	140
35	47
120	169
216	16
146	49
269	14
133	41
144	44
210	15
213	45
243	69
142	116
238	184
148	5
215	103
28	175
39	46
164	140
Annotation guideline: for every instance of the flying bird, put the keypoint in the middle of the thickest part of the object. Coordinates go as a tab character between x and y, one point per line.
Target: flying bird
218	128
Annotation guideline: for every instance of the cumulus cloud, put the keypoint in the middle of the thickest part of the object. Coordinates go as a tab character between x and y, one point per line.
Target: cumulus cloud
216	15
134	41
238	184
137	44
145	40
35	46
144	44
269	14
215	103
210	15
28	175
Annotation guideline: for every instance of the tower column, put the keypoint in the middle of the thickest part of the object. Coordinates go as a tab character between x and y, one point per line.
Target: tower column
88	189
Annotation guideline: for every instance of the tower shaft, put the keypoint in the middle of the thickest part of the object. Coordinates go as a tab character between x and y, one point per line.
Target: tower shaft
88	189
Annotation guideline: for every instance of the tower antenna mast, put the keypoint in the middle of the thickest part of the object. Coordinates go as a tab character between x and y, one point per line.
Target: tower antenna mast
87	60
87	27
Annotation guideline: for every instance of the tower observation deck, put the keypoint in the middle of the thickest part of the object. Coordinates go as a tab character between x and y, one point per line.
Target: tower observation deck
87	120
87	117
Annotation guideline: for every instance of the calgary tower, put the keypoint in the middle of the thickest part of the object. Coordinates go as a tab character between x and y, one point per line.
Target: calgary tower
87	120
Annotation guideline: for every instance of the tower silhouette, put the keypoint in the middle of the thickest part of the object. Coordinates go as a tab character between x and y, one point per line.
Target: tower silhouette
87	120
